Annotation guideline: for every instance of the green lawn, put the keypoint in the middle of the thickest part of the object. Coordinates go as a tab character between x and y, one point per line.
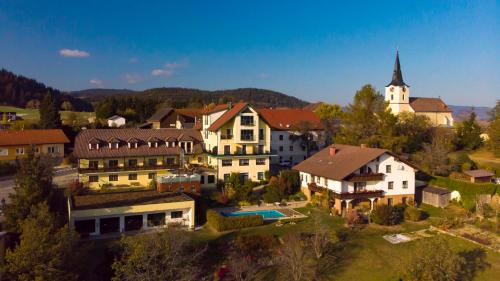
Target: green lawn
33	115
486	160
365	255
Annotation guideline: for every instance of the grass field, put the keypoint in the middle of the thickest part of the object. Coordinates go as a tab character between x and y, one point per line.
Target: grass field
365	255
485	159
33	115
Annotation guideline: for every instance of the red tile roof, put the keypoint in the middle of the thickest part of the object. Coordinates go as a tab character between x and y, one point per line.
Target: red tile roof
29	137
286	119
228	115
428	105
217	108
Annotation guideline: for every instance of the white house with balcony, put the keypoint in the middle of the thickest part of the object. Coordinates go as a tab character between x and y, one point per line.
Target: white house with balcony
353	176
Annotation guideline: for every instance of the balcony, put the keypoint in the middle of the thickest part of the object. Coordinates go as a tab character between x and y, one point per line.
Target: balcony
366	177
128	168
365	194
246	138
226	137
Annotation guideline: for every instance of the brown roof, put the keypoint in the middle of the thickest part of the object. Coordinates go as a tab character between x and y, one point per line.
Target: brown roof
217	108
428	105
479	173
160	114
29	137
191	112
286	119
142	135
436	190
118	199
346	161
228	115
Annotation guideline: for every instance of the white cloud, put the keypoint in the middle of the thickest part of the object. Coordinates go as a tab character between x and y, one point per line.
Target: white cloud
96	82
133	78
73	53
170	68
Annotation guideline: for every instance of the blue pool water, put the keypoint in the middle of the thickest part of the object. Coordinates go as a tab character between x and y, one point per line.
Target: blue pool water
266	214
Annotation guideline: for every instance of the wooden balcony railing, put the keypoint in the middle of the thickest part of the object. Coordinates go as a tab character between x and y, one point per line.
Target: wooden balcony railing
359	194
366	177
127	168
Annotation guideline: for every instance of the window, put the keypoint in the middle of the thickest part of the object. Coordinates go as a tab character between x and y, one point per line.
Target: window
359	186
113	145
405	184
189	147
85	226
261	134
227	149
281	137
151	176
206	136
243	177
93	146
132	144
132	162
392	97
93	164
170	161
291	147
244	162
226	177
53	149
4	152
93	178
246	120
211	178
260	161
113	177
388	169
202	179
390	201
152	162
113	163
390	185
261	149
244	149
132	177
227	162
156	219
281	148
176	214
19	151
260	176
247	135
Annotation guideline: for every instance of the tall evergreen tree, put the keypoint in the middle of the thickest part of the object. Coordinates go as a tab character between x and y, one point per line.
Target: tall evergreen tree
49	112
469	134
33	185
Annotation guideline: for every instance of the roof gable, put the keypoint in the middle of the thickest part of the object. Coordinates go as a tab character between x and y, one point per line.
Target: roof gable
290	119
227	116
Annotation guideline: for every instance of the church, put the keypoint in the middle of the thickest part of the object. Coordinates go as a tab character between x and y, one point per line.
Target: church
397	93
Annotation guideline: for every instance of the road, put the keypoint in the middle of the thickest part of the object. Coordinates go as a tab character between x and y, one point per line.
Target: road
62	177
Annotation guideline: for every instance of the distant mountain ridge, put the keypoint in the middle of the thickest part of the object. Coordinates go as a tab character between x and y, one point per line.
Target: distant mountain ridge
254	96
460	112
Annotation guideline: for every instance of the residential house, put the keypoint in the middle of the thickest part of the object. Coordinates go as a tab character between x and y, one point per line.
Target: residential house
397	93
135	157
116	121
183	118
357	175
295	134
15	144
238	139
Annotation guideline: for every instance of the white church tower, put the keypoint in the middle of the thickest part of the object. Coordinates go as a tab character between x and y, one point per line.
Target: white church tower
397	93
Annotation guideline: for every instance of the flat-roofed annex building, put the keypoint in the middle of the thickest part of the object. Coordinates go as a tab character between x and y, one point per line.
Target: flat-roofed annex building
111	213
135	157
357	175
15	144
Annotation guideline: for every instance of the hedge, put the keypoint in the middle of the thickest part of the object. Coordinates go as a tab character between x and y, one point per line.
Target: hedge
221	223
468	190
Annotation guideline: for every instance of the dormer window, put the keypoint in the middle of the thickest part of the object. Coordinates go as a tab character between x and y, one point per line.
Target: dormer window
93	144
153	142
114	143
133	143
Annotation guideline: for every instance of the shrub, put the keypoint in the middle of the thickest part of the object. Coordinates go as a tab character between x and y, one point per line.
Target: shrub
221	198
353	217
299	196
387	215
152	185
221	223
271	194
412	214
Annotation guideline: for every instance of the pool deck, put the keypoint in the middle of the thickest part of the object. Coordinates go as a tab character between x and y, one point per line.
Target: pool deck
287	210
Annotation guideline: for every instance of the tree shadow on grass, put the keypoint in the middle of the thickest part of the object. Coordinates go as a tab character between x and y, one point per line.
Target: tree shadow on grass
475	262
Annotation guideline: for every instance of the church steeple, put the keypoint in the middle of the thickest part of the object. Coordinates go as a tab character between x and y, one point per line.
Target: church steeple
397	76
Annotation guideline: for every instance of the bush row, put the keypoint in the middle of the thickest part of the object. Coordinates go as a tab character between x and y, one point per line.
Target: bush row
221	223
392	215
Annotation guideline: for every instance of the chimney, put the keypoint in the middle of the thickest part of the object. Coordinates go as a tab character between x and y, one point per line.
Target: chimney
363	145
333	151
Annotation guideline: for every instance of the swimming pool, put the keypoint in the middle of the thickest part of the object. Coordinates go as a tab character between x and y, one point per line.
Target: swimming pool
266	214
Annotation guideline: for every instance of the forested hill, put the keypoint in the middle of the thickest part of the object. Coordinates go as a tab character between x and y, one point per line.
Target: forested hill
182	97
17	90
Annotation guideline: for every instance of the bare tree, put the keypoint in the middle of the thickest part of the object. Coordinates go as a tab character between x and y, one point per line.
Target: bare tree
320	239
244	268
295	259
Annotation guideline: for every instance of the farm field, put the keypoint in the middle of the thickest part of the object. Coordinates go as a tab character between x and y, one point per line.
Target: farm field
33	115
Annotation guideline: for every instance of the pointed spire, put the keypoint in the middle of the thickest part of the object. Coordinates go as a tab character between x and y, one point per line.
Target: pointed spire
397	76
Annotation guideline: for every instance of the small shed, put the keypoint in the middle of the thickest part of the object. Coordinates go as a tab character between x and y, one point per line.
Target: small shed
436	196
116	121
479	176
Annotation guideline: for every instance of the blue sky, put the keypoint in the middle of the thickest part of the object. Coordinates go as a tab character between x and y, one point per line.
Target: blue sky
315	50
